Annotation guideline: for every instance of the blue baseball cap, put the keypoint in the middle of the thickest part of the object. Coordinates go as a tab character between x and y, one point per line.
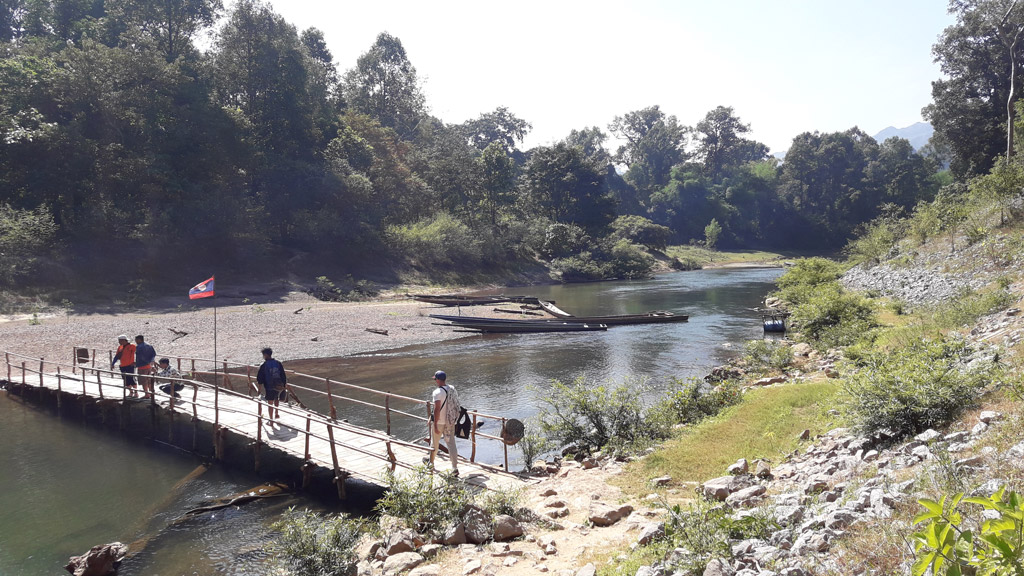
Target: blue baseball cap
440	375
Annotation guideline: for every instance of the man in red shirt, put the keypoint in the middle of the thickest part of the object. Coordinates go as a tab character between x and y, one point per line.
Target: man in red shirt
125	355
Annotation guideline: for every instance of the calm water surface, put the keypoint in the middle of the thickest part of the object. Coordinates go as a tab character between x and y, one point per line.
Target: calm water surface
66	486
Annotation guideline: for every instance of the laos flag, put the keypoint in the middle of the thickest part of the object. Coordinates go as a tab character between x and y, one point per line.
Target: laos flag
201	290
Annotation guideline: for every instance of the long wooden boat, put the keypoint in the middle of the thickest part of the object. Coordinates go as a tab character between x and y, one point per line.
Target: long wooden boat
458	299
519	326
619	320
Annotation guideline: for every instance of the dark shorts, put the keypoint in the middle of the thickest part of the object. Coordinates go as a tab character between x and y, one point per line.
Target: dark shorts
276	394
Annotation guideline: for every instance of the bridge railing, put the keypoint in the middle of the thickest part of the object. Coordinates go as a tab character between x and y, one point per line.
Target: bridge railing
317	426
237	375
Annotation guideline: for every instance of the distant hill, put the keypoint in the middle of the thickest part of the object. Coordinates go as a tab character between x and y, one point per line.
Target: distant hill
917	134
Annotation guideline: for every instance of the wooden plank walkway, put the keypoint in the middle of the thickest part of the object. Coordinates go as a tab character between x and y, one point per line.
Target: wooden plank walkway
349	450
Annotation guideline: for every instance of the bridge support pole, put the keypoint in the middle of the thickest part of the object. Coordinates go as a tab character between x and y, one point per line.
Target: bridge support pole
339	475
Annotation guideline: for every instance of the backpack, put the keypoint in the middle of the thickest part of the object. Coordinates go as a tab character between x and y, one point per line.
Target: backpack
463	426
451	404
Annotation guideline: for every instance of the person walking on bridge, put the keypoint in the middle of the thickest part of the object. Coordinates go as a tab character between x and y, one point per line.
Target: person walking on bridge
144	357
275	384
446	403
125	355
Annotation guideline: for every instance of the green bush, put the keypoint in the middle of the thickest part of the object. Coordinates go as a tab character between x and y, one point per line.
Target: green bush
910	389
688	402
620	260
799	283
562	240
704	531
876	240
968	306
597	417
424	501
831	317
629	262
439	242
312	544
534	443
767	355
640	230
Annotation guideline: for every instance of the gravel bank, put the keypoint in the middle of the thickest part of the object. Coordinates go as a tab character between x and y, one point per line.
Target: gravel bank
298	328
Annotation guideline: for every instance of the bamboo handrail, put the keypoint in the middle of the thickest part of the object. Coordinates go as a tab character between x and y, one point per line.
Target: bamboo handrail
306	415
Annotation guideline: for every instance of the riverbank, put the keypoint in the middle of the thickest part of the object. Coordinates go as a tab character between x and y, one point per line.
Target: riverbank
297	326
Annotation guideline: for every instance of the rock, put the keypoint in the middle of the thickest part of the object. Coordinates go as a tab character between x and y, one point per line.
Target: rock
718	568
839	519
979	428
455	535
769	381
763	469
549	492
98	561
477	523
801	349
720	488
650	532
402	541
556	512
921	452
588	570
955	437
789	515
1017	451
426	570
745	497
402	562
661	481
553	502
506	528
805	435
602	514
472	566
740	467
928	436
990	416
649	571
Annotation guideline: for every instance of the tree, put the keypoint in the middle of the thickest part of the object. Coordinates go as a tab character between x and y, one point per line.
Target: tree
711	233
591	141
499	179
383	85
500	126
171	24
654	144
951	209
1002	186
566	188
972	108
720	143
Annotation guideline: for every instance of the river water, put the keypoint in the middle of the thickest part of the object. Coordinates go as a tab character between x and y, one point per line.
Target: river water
66	486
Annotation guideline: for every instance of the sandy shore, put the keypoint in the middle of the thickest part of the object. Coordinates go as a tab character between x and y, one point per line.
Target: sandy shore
298	327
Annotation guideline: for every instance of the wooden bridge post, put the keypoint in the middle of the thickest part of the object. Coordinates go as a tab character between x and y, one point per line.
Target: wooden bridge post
74	360
472	435
93	357
330	400
248	379
59	389
503	444
41	373
259	435
306	451
339	476
216	405
387	412
23	373
7	360
218	441
227	379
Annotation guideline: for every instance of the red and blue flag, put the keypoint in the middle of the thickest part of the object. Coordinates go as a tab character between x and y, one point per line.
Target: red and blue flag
201	290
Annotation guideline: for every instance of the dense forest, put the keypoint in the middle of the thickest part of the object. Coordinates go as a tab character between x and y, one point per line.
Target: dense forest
126	150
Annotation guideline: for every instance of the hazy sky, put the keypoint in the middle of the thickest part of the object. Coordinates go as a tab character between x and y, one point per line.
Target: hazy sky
785	66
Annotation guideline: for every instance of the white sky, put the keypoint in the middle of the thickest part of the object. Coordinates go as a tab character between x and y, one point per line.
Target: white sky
785	66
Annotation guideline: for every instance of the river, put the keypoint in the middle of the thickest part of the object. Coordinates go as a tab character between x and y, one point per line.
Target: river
67	486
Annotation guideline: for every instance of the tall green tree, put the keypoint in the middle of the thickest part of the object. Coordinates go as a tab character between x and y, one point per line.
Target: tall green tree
562	185
384	85
654	143
500	126
171	24
720	143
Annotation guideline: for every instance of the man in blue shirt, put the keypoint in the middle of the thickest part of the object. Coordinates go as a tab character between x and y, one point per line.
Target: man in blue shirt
144	357
275	384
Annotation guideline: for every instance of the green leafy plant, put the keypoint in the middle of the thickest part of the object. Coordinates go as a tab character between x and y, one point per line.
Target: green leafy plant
502	501
922	385
703	532
767	354
312	544
594	417
534	443
689	401
950	543
424	501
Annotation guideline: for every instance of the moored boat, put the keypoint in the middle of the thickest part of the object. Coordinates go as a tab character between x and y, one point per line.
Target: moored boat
652	317
507	325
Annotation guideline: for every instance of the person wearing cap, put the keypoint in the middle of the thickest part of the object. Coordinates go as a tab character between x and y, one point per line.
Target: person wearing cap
275	384
170	376
125	355
144	356
440	425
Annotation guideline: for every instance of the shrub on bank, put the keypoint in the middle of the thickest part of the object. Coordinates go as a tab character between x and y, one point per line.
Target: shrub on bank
767	355
313	544
689	401
830	317
799	284
439	242
594	418
426	502
907	390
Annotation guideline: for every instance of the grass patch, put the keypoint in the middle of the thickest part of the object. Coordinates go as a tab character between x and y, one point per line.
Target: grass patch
704	256
766	424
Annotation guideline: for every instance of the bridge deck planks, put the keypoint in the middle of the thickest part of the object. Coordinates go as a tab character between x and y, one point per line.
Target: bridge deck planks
362	452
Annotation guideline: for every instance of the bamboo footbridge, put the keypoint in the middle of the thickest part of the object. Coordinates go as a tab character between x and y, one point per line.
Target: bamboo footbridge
222	398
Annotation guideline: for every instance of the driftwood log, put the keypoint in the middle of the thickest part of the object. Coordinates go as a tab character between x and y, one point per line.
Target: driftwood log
377	331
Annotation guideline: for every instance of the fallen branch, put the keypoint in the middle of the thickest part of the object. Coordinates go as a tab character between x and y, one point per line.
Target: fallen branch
177	334
377	331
